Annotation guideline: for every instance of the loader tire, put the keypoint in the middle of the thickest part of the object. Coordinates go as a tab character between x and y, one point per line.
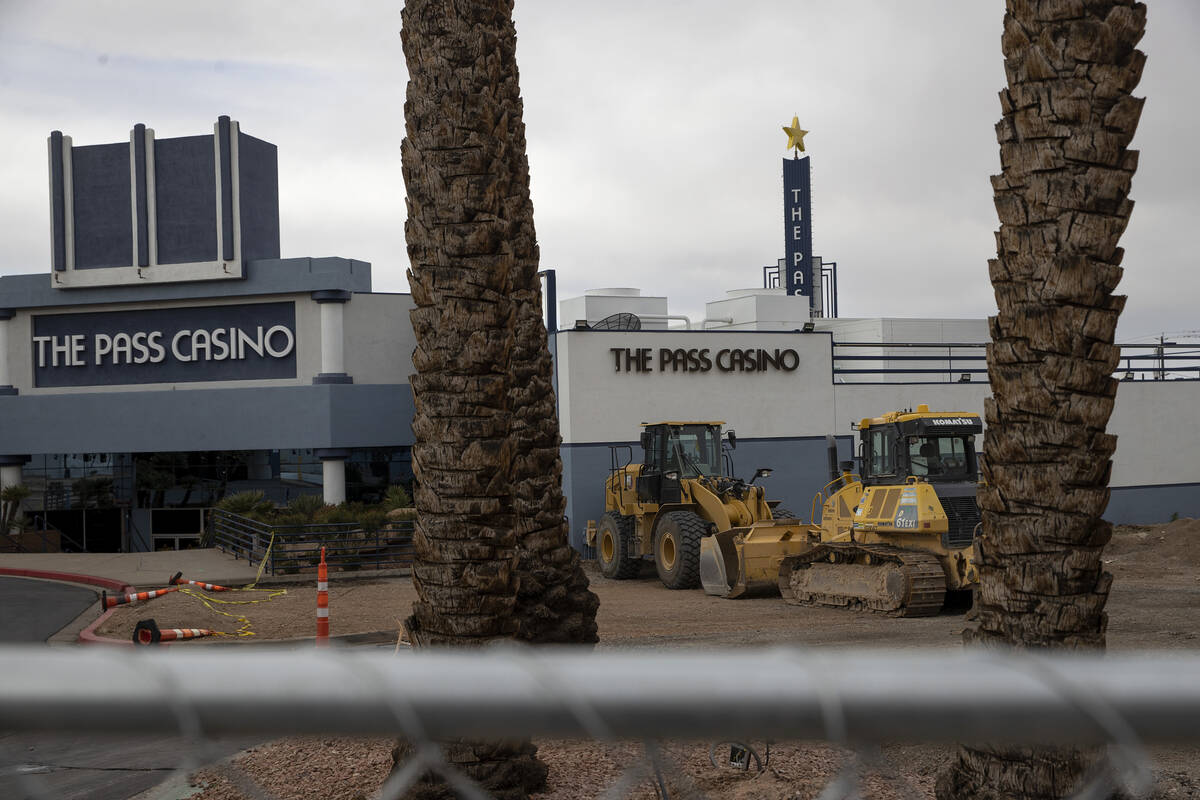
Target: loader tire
677	549
783	513
614	547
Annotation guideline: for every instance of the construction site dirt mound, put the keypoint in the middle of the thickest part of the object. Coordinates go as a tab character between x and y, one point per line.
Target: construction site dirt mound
1172	545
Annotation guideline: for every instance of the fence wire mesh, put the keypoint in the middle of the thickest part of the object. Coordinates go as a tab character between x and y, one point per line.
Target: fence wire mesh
648	709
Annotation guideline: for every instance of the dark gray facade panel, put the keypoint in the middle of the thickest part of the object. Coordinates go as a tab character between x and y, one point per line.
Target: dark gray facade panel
185	199
139	530
113	342
101	206
140	200
272	276
226	188
58	237
370	415
1143	505
258	196
265	418
331	296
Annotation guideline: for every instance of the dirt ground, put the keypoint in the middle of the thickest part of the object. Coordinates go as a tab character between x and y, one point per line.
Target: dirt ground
1154	604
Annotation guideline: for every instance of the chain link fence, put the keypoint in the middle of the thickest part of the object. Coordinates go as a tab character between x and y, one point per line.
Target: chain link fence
859	700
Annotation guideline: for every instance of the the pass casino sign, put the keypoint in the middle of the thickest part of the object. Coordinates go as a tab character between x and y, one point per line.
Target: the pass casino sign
702	360
254	341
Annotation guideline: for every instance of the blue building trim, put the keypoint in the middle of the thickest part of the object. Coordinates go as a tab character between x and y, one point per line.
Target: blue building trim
261	418
267	276
799	468
332	377
1141	505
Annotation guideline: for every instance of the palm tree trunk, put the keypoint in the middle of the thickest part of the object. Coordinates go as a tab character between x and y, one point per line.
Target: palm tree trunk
1062	199
458	182
478	453
554	604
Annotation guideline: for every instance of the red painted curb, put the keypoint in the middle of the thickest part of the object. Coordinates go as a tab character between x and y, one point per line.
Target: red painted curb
94	580
89	636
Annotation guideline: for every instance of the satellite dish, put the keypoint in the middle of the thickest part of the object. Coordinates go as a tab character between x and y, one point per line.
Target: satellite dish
622	321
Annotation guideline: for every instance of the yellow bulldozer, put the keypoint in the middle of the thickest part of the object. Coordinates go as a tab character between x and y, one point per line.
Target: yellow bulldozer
893	539
683	493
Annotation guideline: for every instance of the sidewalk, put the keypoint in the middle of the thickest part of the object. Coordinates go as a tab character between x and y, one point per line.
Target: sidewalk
142	570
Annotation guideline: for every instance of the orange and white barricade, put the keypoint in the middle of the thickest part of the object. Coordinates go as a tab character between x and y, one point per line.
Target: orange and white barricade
107	602
178	579
147	632
322	602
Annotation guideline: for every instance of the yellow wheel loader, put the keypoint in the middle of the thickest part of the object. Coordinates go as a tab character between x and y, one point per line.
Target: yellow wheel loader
892	540
665	509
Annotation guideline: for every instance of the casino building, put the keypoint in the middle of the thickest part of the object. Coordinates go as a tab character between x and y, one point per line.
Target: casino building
170	356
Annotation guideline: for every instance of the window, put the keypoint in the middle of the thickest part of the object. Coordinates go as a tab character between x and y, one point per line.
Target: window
697	450
938	456
882	456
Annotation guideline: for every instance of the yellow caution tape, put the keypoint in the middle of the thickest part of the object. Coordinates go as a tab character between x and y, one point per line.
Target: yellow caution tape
243	622
263	563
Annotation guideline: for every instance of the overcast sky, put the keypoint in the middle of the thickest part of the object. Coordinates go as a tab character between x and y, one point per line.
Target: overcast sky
654	134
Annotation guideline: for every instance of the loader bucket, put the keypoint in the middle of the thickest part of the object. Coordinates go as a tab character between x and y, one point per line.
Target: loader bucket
718	562
743	562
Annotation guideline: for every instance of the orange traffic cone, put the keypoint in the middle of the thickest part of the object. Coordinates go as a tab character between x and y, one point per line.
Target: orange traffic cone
322	602
178	579
147	633
107	602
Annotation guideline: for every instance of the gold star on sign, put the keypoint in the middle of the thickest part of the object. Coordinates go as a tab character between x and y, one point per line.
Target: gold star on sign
795	135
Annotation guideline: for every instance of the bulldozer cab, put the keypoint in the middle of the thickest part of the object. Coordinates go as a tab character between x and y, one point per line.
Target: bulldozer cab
675	451
935	447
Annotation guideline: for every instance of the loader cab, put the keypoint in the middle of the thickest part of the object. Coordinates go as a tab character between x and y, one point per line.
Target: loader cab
676	451
938	448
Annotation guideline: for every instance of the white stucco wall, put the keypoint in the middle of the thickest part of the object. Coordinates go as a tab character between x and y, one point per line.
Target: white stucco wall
1158	438
599	404
1157	442
379	338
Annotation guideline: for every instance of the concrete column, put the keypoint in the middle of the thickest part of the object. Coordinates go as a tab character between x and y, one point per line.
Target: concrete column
333	359
332	344
333	475
6	387
10	475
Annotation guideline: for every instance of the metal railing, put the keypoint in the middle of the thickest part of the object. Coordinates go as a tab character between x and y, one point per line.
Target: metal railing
856	699
49	539
966	362
289	549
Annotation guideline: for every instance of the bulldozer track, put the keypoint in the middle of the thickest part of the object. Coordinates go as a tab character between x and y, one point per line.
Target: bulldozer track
923	574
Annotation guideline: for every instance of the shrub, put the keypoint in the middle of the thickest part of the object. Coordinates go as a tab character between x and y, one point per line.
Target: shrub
397	497
248	504
306	505
10	501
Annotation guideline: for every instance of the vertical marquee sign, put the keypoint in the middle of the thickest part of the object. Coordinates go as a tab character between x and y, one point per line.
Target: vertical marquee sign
797	226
